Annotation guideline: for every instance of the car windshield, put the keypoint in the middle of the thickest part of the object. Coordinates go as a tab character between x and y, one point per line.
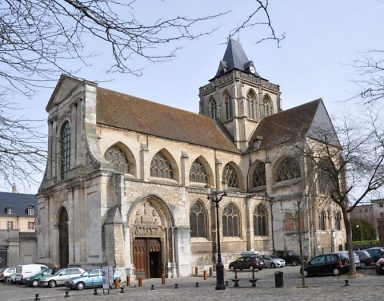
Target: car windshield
58	272
273	256
86	273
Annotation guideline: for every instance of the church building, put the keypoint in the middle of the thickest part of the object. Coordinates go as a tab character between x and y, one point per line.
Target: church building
127	180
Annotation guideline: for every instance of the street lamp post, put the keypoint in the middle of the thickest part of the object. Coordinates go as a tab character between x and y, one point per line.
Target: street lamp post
216	197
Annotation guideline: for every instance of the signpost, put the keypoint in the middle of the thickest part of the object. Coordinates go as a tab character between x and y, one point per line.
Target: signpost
107	274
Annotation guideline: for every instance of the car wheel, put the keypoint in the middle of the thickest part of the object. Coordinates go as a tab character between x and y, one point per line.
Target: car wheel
35	283
80	286
363	265
273	265
294	262
336	272
52	283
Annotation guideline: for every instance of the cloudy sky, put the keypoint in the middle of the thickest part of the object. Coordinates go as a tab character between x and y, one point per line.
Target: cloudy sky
323	38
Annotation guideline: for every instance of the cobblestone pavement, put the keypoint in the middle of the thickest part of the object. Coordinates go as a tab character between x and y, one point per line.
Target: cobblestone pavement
367	286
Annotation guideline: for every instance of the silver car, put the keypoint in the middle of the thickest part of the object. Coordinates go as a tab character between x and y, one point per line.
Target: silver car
60	277
272	261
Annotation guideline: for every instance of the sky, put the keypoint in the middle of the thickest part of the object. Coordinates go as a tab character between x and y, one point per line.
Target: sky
322	40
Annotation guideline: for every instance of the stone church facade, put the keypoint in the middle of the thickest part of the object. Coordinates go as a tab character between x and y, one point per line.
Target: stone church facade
126	179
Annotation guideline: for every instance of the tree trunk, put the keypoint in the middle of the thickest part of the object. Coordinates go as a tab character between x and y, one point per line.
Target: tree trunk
348	232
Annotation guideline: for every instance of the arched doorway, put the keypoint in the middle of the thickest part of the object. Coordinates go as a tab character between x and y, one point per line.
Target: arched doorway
63	238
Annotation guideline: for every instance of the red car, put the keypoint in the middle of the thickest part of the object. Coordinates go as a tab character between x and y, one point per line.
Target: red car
245	262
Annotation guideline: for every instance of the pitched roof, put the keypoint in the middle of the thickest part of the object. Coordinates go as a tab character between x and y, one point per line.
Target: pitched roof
293	124
131	113
234	58
19	202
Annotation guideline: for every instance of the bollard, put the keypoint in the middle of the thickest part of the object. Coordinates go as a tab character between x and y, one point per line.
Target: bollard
95	291
122	290
128	281
210	272
140	281
279	281
116	282
197	284
205	275
196	271
163	279
152	287
66	294
346	283
176	285
235	274
37	297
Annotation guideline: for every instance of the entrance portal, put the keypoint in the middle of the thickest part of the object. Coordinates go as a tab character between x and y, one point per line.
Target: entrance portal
147	257
63	238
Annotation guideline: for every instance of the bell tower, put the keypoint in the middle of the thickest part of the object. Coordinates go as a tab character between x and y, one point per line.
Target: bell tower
237	96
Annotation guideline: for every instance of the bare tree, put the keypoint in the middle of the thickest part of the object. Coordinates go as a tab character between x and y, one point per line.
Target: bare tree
22	148
349	164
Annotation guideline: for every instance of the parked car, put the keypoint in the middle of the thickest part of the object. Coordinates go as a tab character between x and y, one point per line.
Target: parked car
6	272
380	266
60	277
272	261
245	262
34	279
346	254
89	279
376	253
26	270
290	256
365	258
261	262
333	264
11	278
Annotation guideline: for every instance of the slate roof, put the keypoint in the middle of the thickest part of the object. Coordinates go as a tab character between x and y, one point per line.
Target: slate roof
19	202
289	125
234	58
131	113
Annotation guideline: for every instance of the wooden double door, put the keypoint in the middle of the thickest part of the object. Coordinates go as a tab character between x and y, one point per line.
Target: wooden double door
147	257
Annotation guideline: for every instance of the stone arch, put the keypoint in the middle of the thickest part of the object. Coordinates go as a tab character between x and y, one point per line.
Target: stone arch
173	164
252	104
129	156
198	218
208	169
228	175
151	225
63	243
286	168
256	170
267	105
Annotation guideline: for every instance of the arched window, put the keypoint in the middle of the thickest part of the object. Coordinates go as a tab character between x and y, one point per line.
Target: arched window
231	221
259	178
160	167
267	104
228	106
289	222
251	98
198	173
118	158
212	108
197	218
338	221
288	169
260	220
322	218
65	150
230	176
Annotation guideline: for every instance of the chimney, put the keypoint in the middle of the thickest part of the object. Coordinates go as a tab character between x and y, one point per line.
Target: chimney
14	188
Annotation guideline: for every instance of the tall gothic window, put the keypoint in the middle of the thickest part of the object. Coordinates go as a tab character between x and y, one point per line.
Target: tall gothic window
228	106
65	150
198	173
197	218
338	221
259	178
231	221
251	98
267	104
322	219
160	167
260	220
118	158
230	176
288	169
212	108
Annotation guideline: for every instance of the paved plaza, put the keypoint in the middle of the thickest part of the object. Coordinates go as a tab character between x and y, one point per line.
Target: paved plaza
368	286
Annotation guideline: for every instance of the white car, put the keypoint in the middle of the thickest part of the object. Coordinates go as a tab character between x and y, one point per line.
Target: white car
61	276
11	278
6	272
346	254
272	261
